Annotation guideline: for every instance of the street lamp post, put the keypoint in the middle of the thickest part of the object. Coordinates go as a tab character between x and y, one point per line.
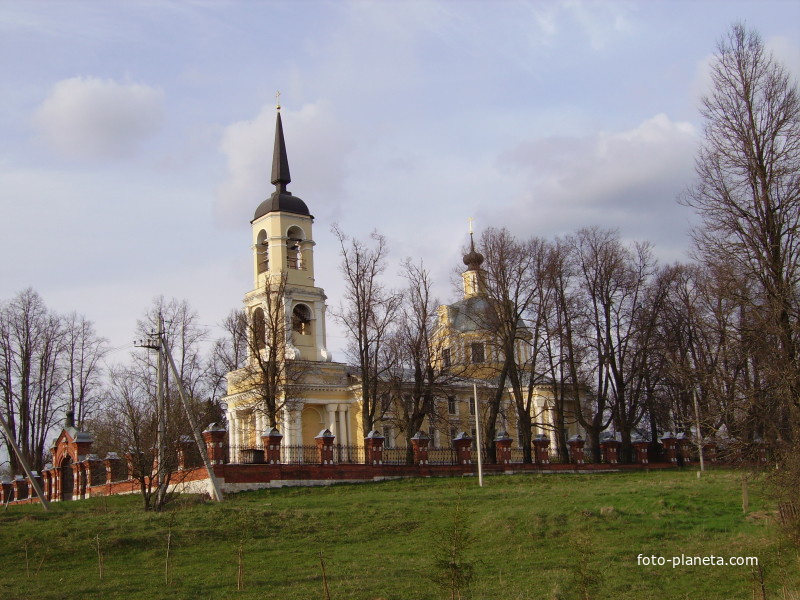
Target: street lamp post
478	433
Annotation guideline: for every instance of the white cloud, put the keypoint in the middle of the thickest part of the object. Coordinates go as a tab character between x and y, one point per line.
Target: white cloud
628	179
702	84
545	18
599	22
87	117
317	147
786	52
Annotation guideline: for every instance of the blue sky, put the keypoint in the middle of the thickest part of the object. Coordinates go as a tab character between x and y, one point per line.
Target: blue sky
136	137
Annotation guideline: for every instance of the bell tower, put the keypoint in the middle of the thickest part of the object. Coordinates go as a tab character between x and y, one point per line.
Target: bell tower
283	263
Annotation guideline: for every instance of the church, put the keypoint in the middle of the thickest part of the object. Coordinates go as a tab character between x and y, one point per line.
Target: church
290	382
294	414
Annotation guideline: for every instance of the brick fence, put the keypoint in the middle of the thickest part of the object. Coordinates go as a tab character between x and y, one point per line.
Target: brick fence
80	474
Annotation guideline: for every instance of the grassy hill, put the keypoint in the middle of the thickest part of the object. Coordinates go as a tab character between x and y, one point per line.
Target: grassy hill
531	536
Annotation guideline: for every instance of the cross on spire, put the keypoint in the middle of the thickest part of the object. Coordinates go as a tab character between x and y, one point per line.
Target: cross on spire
280	163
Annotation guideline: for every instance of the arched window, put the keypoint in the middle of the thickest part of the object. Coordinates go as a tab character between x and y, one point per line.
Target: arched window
301	319
259	329
262	252
294	246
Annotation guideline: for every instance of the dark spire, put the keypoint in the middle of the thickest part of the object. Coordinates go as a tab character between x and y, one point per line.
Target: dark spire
473	259
281	200
280	163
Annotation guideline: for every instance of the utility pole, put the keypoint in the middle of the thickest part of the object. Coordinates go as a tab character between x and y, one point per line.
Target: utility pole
161	409
201	446
154	343
36	487
164	359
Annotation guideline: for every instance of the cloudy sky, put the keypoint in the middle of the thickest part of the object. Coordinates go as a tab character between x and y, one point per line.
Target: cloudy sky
136	137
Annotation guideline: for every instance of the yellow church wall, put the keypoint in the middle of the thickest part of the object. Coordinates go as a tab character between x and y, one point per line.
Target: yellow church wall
460	346
305	347
241	380
314	420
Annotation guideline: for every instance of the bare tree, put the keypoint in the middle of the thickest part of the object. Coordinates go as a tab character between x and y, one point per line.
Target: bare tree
32	374
632	338
130	426
145	418
185	336
228	353
271	371
597	275
748	195
663	379
607	300
713	334
84	350
574	350
367	312
554	350
547	361
509	292
416	378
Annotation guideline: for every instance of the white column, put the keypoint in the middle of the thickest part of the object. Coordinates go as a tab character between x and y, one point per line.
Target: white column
319	328
234	435
343	437
231	435
261	424
288	438
287	435
331	408
297	427
229	415
347	424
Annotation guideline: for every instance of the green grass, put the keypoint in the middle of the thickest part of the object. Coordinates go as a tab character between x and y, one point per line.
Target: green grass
534	536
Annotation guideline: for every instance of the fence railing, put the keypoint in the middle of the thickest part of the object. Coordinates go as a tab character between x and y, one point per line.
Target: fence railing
442	456
342	454
356	455
294	455
299	455
350	455
394	456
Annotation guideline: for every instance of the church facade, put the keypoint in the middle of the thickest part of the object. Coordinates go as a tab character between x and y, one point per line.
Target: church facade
290	382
